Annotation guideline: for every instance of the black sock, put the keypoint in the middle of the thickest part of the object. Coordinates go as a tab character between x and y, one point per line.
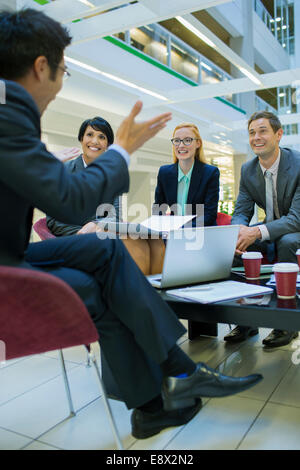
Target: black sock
152	406
177	363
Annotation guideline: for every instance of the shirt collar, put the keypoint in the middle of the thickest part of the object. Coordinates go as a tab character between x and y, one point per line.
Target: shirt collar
274	168
83	161
182	176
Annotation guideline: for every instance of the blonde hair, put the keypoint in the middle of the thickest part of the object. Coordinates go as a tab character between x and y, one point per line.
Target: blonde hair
199	155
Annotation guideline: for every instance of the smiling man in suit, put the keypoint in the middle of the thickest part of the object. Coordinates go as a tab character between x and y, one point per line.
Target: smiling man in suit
272	181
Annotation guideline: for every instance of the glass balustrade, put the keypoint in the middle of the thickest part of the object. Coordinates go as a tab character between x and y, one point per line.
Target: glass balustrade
163	46
158	43
281	25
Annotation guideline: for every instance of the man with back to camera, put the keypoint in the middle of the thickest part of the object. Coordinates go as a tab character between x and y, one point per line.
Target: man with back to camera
138	330
274	176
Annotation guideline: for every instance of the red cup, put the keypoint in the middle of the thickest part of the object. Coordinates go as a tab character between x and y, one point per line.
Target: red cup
286	279
252	262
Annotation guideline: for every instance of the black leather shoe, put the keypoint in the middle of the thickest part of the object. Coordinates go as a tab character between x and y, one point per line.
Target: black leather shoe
279	338
240	333
145	425
204	382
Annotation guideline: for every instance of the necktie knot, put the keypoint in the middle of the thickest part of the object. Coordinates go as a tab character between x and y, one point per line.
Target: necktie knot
268	174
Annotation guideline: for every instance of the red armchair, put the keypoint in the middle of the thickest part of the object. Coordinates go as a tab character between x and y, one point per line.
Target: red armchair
223	219
40	313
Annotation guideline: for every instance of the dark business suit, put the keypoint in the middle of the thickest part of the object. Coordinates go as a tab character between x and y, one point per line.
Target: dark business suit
204	189
60	229
121	302
284	231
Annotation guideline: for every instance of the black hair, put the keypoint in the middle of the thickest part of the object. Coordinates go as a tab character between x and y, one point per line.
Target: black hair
272	118
26	35
99	124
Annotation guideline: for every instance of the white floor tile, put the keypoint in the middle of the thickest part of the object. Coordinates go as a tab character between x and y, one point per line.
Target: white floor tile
12	441
288	391
219	425
277	428
27	374
37	411
36	445
90	429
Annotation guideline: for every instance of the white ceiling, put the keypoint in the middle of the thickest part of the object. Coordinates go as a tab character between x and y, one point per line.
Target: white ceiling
88	93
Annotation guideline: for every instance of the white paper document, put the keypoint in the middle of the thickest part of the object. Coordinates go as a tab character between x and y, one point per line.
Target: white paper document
160	225
166	223
217	291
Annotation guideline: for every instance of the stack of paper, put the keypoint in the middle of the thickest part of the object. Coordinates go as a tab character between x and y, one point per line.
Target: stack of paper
218	291
160	225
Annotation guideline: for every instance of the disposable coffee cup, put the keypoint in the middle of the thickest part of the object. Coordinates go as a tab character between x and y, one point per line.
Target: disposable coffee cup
298	256
252	262
286	279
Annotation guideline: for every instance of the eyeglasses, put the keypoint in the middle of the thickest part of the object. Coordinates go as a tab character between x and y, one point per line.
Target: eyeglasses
186	141
65	70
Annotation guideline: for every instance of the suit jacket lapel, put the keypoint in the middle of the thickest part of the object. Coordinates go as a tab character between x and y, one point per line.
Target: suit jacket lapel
260	184
282	179
78	163
173	184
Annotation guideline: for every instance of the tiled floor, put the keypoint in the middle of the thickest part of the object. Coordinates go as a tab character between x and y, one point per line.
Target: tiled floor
33	406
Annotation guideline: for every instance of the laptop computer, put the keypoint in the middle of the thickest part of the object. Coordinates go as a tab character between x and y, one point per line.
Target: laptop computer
196	255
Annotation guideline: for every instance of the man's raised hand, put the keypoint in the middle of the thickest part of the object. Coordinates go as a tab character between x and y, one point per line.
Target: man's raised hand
132	135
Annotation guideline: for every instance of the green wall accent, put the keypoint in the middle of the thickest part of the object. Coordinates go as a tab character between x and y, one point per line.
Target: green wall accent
42	2
156	63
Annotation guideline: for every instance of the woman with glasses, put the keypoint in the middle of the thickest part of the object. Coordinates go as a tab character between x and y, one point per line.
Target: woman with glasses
189	181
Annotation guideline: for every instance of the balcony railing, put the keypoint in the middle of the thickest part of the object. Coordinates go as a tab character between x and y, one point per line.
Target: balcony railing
278	26
160	44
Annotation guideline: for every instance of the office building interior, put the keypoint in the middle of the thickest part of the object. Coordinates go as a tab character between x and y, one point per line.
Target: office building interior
213	63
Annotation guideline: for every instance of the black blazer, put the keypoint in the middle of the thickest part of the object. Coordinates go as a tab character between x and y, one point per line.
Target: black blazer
204	189
31	177
59	228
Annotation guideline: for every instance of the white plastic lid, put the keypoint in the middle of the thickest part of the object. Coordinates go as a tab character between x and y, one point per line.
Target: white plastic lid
252	255
298	251
285	267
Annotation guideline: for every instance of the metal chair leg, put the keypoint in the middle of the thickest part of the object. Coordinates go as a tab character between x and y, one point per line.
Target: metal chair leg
106	402
88	357
66	382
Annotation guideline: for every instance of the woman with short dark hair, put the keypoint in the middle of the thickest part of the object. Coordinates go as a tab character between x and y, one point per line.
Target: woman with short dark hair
95	135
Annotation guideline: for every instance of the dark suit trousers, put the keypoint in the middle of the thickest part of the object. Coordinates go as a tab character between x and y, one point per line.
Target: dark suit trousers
136	328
